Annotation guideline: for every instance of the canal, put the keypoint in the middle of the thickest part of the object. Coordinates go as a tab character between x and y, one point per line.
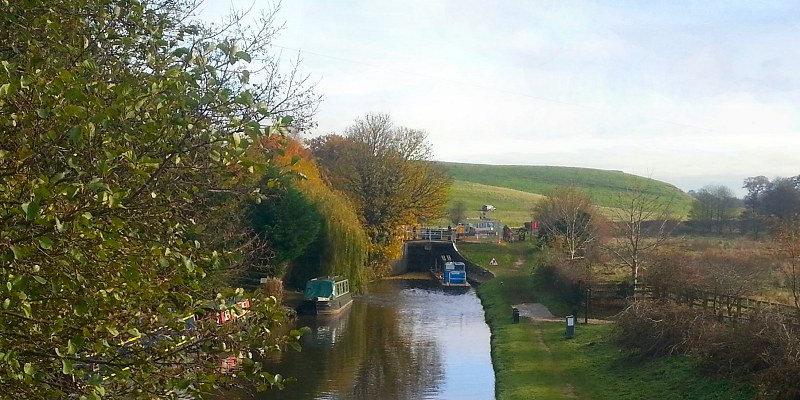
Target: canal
405	339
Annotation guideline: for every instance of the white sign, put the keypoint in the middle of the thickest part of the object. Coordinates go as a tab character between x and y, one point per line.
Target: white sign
493	262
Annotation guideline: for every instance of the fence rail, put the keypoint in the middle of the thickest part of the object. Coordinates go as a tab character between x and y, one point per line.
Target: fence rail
722	305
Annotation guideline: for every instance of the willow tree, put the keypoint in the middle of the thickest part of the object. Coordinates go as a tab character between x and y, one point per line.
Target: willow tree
124	130
386	171
341	245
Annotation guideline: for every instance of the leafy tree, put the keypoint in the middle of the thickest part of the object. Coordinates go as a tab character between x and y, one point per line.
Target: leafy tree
639	229
290	223
569	220
341	245
714	203
385	170
124	132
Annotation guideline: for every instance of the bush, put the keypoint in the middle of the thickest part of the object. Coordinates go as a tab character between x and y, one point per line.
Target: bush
273	287
764	348
653	330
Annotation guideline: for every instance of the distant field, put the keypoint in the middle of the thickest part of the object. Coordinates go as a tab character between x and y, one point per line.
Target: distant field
514	188
513	206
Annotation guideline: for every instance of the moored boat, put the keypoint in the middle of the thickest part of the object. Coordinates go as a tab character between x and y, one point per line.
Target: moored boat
454	273
324	296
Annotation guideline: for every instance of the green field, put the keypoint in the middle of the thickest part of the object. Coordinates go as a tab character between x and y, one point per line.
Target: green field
533	360
514	188
513	206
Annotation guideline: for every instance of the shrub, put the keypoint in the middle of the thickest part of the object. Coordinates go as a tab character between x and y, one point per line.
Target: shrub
273	287
764	348
653	330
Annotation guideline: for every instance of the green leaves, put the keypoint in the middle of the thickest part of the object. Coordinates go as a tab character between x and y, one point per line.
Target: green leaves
241	55
67	366
122	196
29	369
31	210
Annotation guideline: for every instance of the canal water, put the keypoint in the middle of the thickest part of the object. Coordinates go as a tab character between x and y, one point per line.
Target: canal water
405	339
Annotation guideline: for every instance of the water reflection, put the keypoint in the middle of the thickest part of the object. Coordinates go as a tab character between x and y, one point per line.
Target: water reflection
404	340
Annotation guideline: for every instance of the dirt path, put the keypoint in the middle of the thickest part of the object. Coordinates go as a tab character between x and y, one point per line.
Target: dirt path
536	311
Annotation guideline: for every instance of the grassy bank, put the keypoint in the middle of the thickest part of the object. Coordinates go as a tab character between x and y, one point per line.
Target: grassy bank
535	361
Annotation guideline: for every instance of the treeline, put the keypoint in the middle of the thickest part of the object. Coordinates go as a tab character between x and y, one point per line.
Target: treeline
716	210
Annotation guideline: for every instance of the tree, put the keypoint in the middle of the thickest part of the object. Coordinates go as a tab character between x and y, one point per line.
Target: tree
787	240
714	203
341	245
457	212
756	187
385	170
782	198
639	228
290	223
569	219
124	132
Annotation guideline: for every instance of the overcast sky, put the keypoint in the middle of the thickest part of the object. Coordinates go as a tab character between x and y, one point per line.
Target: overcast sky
692	93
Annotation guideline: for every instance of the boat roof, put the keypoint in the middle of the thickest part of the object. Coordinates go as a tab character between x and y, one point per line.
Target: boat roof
329	279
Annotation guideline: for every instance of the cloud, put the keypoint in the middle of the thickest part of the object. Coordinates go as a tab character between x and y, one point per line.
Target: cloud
679	90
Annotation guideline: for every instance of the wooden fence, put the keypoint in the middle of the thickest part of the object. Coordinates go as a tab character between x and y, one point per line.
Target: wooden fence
722	305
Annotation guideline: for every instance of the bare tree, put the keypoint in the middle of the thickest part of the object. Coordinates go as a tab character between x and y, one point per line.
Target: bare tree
787	240
568	217
639	228
714	203
752	216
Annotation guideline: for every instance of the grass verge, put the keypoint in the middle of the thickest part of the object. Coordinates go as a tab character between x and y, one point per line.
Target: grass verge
534	361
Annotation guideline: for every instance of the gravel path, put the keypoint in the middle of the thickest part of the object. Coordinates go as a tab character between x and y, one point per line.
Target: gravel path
538	312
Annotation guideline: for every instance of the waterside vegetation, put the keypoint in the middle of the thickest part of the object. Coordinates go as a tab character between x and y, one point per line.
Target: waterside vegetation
533	359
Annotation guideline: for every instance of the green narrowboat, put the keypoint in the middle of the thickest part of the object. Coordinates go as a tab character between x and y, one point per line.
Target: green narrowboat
324	296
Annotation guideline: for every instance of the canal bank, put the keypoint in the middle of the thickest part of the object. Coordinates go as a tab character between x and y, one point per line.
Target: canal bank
532	359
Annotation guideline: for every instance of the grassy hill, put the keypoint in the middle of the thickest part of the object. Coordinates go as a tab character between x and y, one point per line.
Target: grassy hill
513	206
514	188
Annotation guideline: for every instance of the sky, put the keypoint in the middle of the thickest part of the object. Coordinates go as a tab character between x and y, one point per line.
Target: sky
691	93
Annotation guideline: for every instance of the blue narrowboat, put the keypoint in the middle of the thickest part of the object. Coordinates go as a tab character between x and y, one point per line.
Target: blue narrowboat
454	274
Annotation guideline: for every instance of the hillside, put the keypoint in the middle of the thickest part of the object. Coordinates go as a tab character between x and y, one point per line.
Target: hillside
514	188
513	206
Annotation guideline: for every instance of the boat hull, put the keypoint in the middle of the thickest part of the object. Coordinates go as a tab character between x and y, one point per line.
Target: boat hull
326	307
449	281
